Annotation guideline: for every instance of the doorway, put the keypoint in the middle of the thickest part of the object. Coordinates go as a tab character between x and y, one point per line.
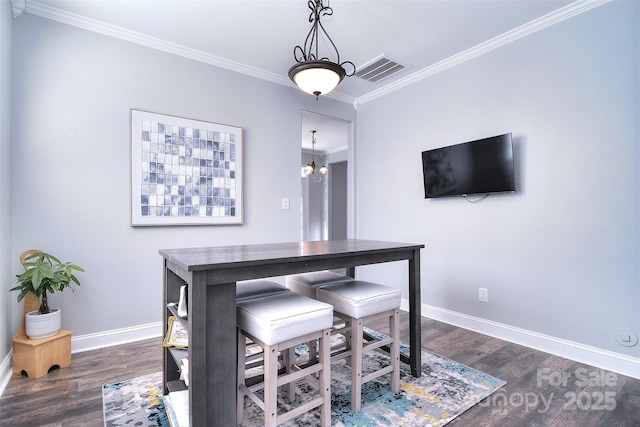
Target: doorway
324	196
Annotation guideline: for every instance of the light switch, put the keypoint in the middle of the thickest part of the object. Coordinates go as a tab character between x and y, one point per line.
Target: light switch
285	203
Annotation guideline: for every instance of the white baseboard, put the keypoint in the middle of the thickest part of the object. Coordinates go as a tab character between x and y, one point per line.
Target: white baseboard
88	342
616	362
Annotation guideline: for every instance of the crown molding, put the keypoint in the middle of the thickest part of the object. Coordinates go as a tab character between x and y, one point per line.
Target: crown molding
323	153
18	7
531	27
336	150
45	11
90	24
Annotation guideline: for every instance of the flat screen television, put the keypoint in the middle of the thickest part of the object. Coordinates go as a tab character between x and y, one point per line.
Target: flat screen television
483	166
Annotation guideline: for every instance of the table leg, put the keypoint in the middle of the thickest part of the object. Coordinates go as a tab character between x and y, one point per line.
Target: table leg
350	271
212	352
415	315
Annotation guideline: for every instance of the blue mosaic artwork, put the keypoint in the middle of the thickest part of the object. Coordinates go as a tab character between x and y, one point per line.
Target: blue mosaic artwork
185	172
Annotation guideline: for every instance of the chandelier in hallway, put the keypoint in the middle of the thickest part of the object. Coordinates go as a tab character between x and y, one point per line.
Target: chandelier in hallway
311	166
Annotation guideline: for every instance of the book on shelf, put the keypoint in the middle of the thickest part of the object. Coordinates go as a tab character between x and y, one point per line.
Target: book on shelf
176	406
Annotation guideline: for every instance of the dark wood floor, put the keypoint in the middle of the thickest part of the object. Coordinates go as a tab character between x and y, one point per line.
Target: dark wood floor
535	394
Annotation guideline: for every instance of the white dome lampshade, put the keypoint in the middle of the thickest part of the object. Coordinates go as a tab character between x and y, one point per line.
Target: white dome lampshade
316	77
309	169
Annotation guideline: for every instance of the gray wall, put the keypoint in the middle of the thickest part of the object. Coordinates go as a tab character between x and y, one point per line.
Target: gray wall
559	257
338	197
73	90
6	300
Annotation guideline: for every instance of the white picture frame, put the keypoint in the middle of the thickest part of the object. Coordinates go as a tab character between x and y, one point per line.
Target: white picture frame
184	171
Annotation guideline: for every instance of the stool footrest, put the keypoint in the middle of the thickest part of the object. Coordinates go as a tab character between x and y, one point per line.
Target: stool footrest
376	374
305	407
373	345
248	391
299	373
342	354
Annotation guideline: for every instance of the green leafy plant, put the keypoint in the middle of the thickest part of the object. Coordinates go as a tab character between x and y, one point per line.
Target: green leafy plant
45	274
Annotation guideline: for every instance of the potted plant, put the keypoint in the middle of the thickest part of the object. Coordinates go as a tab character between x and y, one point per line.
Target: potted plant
44	274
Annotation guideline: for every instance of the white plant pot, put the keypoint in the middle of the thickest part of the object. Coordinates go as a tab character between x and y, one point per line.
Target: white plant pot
39	326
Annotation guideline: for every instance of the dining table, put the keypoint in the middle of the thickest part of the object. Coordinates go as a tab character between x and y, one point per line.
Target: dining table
210	274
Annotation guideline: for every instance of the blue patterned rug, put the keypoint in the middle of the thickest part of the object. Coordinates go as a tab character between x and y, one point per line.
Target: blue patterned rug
444	391
135	402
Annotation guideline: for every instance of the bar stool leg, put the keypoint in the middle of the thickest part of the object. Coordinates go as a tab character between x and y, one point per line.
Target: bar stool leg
313	351
356	363
394	328
348	337
270	393
325	377
289	359
242	341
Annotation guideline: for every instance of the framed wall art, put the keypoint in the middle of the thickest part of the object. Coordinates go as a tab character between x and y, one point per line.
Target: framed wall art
184	171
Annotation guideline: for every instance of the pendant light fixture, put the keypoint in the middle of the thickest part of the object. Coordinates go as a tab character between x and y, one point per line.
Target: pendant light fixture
317	75
311	166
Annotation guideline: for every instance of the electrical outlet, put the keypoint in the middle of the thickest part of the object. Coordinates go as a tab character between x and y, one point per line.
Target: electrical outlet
285	203
626	337
483	294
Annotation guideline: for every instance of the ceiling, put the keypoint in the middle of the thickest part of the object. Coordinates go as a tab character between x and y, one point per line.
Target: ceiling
257	37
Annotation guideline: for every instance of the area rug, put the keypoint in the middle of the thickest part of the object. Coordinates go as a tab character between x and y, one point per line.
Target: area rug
444	391
135	402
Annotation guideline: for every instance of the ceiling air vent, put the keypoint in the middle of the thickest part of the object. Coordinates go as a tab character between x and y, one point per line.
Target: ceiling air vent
379	69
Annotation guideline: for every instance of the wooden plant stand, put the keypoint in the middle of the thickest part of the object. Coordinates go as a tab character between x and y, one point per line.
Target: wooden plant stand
36	357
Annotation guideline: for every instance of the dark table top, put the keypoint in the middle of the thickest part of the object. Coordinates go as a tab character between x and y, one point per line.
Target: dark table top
210	258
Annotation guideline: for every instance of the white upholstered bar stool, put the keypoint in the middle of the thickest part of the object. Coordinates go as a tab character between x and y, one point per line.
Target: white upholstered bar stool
248	289
307	283
357	302
278	323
